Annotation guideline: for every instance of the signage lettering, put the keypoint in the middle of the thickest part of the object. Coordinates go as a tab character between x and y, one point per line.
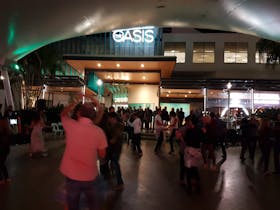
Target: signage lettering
136	35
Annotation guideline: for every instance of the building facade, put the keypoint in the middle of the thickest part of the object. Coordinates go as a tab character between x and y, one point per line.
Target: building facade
206	61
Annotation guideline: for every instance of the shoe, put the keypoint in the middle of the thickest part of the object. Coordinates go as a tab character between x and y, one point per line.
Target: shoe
118	187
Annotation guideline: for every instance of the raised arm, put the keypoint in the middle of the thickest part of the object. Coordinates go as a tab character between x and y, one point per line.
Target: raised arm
99	109
67	109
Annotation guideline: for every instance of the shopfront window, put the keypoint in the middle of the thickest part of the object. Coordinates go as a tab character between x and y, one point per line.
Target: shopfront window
236	52
230	105
203	52
261	57
177	49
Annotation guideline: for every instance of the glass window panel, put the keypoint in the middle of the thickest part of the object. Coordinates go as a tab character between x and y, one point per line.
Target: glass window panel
177	49
203	52
209	58
236	52
229	57
261	57
198	58
180	57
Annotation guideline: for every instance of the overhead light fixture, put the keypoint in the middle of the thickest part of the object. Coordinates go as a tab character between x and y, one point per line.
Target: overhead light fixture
167	95
99	64
99	82
16	66
229	85
144	77
169	91
142	65
118	65
186	96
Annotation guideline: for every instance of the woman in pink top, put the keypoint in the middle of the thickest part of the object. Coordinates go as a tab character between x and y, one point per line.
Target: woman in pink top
37	144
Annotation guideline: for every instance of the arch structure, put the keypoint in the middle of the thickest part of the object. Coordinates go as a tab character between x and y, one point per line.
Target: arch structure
29	25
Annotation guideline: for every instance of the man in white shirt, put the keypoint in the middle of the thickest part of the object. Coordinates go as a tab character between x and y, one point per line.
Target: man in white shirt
136	139
85	142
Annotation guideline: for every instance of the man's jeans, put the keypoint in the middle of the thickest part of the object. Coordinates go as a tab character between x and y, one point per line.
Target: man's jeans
76	188
116	168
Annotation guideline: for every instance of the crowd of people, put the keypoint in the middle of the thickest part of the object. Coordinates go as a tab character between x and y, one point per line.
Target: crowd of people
94	134
199	136
264	133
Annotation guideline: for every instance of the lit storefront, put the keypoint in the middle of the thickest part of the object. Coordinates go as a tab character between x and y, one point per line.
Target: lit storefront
150	67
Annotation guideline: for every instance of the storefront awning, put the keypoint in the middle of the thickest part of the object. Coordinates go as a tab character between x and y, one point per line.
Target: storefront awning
148	70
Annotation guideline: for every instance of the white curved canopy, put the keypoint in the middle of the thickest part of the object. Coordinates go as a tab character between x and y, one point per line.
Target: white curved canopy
30	24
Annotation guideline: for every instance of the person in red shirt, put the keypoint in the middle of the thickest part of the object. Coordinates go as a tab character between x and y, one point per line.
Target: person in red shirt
85	142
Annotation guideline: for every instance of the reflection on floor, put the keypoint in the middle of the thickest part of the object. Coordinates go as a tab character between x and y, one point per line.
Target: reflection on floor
151	183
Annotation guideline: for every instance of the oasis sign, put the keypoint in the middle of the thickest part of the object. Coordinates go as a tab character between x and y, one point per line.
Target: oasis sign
137	35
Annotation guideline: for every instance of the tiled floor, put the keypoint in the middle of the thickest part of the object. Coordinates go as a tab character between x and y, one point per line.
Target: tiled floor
151	183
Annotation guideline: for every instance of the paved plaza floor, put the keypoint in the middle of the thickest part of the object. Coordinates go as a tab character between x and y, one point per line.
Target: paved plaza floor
151	183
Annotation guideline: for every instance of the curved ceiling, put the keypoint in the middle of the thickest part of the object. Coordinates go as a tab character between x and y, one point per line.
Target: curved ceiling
30	24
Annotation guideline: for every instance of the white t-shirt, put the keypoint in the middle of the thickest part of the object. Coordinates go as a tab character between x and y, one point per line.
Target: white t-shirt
174	122
158	123
137	124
